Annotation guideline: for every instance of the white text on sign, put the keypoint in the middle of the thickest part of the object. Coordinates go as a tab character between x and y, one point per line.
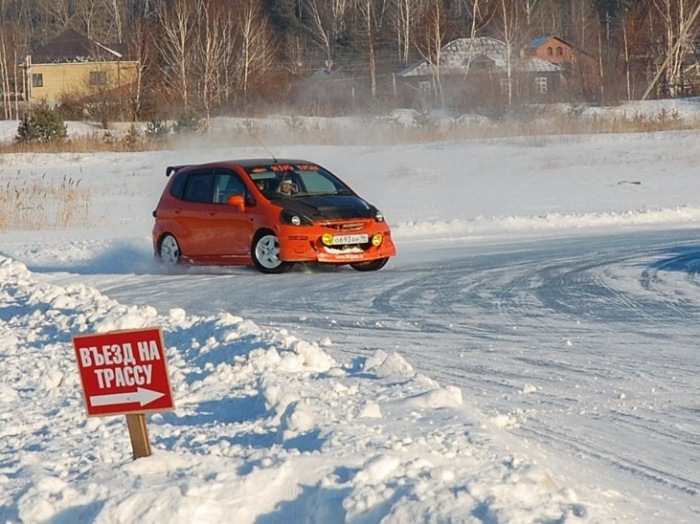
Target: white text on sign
131	374
111	354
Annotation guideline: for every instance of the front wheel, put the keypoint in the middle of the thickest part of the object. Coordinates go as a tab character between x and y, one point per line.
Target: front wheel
266	254
169	251
370	265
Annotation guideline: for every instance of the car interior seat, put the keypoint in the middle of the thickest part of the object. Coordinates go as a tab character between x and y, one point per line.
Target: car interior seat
200	191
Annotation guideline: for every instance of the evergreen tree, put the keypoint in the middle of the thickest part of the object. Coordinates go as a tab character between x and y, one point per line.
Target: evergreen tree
285	15
45	124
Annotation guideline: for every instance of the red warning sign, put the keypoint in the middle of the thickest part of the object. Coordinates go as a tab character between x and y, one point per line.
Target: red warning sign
124	372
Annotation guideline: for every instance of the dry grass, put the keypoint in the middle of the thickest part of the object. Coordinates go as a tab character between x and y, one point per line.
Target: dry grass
80	144
373	129
424	128
31	204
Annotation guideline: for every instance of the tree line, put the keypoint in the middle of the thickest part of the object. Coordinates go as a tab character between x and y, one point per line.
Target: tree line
223	56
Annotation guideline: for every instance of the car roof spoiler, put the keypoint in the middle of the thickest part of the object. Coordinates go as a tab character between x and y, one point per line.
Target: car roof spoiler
174	169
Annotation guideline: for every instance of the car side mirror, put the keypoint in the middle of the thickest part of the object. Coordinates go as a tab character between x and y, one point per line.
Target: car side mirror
236	201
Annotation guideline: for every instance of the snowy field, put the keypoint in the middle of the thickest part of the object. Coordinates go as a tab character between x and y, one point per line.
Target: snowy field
530	355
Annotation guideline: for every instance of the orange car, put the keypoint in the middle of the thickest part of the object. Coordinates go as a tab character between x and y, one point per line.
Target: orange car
270	213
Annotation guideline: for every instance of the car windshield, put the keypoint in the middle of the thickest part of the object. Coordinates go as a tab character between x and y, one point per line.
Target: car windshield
277	181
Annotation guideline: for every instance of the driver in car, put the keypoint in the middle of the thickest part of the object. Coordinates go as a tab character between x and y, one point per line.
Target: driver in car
287	187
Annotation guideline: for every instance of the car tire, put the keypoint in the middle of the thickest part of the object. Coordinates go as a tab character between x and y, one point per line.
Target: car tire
265	254
169	253
370	265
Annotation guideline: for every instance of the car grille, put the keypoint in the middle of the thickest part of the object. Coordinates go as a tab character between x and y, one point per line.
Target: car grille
345	226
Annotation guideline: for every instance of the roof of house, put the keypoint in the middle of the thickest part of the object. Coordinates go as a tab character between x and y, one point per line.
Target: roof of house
537	42
458	55
72	46
325	73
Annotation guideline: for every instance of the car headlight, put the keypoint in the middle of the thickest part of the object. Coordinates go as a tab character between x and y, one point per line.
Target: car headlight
294	219
379	216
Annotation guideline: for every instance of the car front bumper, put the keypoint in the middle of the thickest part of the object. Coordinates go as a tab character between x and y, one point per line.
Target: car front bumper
305	244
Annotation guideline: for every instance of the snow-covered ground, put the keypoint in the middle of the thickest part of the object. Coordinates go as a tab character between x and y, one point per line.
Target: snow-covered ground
529	356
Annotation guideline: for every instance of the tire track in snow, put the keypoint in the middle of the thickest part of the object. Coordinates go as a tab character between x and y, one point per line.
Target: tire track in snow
539	335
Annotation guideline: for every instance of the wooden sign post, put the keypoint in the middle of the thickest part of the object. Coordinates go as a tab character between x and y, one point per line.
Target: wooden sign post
138	432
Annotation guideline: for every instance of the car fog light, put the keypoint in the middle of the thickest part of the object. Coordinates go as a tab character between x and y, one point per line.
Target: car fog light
296	220
327	239
377	240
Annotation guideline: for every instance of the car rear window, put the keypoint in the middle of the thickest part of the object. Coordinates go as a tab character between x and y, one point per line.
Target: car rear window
176	186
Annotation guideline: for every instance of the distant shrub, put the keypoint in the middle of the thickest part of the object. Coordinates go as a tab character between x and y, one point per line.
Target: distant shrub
188	122
294	122
72	109
249	126
45	124
422	116
132	139
156	129
575	110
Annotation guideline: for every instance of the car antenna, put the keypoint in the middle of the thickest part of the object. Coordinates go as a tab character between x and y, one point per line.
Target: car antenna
263	145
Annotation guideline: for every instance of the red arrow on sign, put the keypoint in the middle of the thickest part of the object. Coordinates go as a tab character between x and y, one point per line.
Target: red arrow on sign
142	395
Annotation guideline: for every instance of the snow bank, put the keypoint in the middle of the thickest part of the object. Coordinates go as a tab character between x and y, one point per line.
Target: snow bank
267	426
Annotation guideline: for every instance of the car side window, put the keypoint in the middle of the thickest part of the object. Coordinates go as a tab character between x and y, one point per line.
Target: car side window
198	188
226	185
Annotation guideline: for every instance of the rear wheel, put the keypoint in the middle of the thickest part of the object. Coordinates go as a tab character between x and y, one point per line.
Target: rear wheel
169	251
266	254
370	265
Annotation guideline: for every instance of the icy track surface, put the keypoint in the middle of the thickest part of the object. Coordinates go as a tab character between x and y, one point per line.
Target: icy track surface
579	352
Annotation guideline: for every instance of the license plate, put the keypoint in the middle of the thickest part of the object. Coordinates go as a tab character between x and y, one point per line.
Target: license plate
339	240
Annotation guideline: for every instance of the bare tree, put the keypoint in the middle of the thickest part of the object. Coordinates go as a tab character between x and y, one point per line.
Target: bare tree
429	42
677	18
626	51
213	50
90	14
529	7
481	13
509	21
255	51
5	79
583	19
141	43
371	14
547	18
176	29
634	43
436	31
406	14
326	23
59	11
115	11
365	8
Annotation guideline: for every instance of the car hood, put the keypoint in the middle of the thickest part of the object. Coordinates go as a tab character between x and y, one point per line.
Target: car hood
329	207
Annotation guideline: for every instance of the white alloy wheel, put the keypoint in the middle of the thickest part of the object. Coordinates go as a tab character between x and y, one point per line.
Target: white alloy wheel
266	254
169	251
